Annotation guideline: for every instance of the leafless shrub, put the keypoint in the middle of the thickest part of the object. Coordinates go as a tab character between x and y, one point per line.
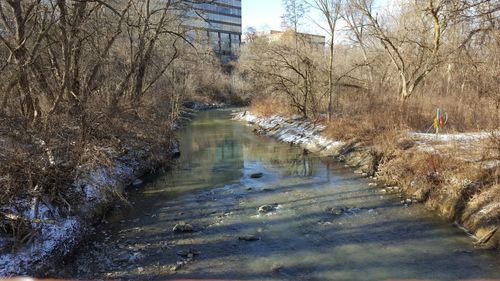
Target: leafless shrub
85	82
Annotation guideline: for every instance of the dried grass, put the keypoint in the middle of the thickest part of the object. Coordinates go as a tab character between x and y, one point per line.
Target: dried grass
43	162
269	106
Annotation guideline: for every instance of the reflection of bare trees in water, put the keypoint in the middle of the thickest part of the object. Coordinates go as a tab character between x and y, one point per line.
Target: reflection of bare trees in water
212	149
228	149
291	161
301	165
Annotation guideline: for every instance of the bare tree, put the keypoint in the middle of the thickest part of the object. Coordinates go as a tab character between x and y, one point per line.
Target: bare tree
414	58
280	68
293	15
331	11
356	22
24	27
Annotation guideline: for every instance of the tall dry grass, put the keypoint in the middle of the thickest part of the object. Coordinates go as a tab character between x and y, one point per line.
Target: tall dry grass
268	106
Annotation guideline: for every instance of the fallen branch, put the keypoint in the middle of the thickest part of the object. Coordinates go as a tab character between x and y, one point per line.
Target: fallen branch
486	238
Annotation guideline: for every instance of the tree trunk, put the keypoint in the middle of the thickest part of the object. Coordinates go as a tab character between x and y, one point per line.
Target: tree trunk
404	89
330	82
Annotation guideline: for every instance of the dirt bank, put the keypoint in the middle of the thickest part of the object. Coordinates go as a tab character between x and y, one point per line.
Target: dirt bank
56	233
37	232
446	173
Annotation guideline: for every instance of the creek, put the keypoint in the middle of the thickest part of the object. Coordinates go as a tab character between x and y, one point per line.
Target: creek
320	221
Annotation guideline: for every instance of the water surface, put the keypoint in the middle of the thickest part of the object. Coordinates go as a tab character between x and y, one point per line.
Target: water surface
328	223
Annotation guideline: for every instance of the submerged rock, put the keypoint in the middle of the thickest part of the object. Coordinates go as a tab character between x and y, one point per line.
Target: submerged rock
337	211
182	227
249	238
178	265
334	210
135	257
188	253
267	208
256	175
277	267
137	183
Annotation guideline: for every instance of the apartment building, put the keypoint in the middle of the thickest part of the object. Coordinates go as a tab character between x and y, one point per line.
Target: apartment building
218	23
312	40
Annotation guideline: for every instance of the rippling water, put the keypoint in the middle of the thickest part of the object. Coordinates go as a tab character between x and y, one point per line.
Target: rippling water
326	222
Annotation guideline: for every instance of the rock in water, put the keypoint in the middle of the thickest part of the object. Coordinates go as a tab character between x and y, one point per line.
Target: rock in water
267	208
276	267
137	183
256	175
188	253
182	227
135	257
183	253
335	211
249	238
176	154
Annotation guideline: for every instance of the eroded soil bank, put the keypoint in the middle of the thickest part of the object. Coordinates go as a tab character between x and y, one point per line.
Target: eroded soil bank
304	218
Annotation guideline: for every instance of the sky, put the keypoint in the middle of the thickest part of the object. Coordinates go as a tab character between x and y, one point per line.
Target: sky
266	15
261	14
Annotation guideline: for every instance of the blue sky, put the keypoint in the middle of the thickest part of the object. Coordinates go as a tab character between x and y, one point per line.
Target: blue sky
262	14
266	14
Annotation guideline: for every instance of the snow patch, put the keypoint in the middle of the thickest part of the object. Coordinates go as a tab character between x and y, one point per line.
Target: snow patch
58	235
295	131
490	208
204	106
54	238
453	137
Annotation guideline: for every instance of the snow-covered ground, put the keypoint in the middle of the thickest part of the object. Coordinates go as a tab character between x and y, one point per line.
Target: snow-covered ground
205	106
465	137
54	238
470	147
295	131
58	235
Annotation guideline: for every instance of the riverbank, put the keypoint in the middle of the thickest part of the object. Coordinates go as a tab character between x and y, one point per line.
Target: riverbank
97	188
240	206
39	230
450	178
